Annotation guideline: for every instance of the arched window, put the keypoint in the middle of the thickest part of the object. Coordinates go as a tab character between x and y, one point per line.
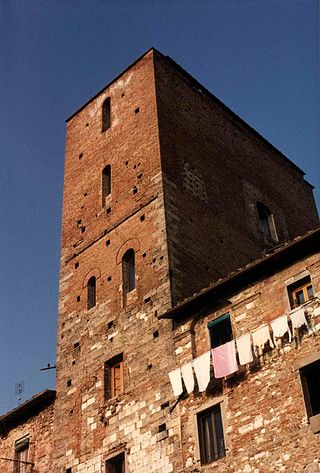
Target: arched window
91	294
106	114
106	183
266	222
128	271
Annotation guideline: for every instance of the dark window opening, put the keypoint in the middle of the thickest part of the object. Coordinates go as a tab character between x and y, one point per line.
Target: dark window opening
162	427
310	380
106	183
91	290
220	331
300	292
69	470
113	377
106	114
266	221
116	464
21	456
211	439
128	271
69	382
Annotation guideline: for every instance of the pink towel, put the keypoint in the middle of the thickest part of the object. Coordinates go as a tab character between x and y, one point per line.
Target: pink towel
224	359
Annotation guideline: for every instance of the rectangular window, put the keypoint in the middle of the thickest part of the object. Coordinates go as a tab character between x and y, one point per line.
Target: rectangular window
116	464
310	380
220	330
113	377
211	440
21	456
300	292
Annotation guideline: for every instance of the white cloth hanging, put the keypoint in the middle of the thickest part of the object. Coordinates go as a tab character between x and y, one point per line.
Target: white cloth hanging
260	337
176	382
280	327
298	318
201	367
187	376
244	349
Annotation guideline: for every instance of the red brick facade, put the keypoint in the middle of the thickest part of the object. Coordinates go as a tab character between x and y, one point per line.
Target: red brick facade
186	175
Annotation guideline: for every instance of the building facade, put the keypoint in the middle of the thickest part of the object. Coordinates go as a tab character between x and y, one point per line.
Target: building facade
167	192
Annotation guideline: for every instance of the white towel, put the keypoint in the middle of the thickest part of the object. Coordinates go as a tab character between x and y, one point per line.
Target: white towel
244	349
176	382
260	337
280	327
201	367
188	378
298	318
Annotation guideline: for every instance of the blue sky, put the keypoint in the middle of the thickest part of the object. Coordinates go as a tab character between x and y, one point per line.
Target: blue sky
260	57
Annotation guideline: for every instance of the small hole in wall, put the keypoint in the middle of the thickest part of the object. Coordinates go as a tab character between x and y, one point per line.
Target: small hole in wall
108	210
71	412
69	470
107	242
134	166
109	278
87	124
144	255
76	345
85	194
154	260
83	229
80	155
155	334
61	337
76	265
69	382
79	222
73	362
78	298
165	405
134	190
110	324
126	163
162	427
122	95
149	366
142	218
147	299
140	176
137	110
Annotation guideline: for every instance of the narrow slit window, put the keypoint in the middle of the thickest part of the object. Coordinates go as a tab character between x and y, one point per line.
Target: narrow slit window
91	288
211	439
128	271
220	330
106	184
266	222
106	114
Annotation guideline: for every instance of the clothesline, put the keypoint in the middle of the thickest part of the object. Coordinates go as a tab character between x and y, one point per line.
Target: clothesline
224	359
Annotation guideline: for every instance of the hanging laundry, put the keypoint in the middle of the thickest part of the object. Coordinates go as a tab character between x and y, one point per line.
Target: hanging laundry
298	318
201	367
187	376
280	327
176	382
224	359
260	337
244	349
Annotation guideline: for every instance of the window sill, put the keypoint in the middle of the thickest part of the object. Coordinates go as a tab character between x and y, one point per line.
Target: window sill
315	423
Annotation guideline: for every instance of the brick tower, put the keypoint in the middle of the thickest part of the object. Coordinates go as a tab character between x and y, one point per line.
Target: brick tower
165	191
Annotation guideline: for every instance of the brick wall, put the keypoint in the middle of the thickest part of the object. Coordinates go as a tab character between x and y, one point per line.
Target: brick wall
215	170
38	429
264	416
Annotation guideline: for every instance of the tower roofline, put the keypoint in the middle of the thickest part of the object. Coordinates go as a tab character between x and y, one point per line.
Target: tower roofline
197	85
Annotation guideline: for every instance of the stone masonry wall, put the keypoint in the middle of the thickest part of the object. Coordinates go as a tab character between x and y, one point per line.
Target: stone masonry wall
215	170
265	423
90	429
39	430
